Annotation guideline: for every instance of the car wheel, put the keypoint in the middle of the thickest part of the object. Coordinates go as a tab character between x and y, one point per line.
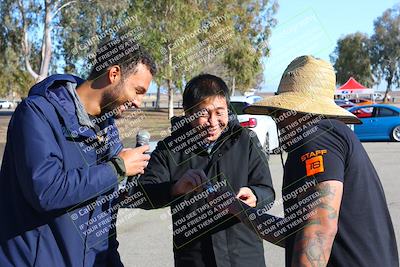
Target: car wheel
396	134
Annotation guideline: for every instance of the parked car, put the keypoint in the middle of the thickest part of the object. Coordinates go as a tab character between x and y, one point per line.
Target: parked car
5	104
344	103
380	122
264	126
361	101
379	96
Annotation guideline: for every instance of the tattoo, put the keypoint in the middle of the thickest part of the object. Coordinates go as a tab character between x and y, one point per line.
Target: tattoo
332	214
326	190
313	222
298	247
314	242
313	250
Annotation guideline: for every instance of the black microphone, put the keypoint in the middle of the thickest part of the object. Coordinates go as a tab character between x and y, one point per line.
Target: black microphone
142	139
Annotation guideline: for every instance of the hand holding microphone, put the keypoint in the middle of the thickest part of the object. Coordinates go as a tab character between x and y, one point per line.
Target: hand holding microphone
136	159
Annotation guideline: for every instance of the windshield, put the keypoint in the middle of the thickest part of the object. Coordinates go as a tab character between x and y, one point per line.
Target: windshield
238	107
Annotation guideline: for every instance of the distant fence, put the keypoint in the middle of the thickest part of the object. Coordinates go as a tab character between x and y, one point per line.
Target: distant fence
152	104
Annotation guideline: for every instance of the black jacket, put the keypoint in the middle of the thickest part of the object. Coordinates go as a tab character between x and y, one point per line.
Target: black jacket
235	158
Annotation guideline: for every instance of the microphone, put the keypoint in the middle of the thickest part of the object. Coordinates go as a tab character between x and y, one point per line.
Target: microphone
142	139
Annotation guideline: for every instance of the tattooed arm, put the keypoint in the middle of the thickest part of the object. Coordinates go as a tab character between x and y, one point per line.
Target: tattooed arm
314	242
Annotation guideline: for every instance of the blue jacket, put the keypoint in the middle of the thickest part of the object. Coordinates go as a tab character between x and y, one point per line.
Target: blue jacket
50	181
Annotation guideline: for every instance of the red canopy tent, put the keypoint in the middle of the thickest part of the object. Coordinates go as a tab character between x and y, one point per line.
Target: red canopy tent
353	87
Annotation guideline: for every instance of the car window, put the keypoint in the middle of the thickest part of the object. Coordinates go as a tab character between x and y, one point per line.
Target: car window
238	107
386	112
363	112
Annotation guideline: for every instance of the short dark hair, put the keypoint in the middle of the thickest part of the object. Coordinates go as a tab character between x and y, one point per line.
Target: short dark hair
203	86
123	51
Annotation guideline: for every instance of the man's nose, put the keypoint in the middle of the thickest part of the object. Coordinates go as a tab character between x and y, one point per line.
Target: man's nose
213	121
137	101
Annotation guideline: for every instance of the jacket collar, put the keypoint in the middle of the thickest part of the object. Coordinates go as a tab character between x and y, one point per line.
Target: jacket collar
54	89
43	88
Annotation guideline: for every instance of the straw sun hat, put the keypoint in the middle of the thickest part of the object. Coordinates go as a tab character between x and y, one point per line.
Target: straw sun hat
307	86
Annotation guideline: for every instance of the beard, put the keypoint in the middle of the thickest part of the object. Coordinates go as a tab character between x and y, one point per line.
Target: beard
112	100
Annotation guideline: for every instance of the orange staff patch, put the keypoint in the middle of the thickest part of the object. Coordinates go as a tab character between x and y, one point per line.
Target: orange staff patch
314	165
315	153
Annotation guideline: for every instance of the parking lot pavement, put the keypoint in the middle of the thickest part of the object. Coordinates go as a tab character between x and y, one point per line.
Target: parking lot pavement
145	239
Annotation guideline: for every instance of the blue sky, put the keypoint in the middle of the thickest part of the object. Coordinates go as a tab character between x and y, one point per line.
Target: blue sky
313	27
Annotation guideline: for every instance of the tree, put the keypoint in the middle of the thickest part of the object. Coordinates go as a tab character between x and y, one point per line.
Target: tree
166	23
252	22
189	37
30	32
385	48
85	26
244	43
351	59
184	37
13	81
217	68
45	34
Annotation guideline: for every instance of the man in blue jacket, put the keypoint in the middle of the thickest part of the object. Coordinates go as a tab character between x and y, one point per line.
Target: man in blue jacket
63	162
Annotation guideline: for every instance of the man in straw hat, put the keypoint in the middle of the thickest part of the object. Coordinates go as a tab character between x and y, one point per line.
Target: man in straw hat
334	204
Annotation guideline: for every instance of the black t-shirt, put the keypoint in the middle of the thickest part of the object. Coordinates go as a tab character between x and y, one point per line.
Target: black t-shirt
331	151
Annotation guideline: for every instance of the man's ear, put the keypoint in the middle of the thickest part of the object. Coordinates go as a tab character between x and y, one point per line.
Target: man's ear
114	74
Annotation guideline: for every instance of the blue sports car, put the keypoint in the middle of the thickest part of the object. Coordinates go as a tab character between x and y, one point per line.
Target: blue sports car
380	122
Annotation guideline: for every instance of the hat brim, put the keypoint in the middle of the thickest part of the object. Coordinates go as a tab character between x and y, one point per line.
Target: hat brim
304	104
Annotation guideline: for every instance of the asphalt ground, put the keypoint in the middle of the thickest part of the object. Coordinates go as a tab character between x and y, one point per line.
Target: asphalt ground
145	239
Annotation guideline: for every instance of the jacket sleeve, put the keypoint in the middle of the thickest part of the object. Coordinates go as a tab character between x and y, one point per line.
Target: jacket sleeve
40	170
259	175
156	183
